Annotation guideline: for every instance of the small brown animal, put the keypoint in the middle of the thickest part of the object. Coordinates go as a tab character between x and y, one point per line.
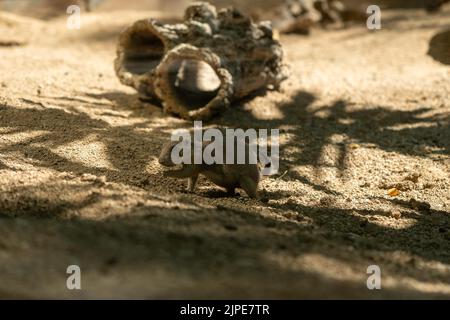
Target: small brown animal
228	176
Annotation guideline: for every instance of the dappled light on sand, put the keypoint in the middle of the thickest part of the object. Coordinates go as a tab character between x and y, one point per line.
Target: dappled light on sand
361	114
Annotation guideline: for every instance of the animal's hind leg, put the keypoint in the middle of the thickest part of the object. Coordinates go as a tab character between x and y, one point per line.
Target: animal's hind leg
250	187
191	183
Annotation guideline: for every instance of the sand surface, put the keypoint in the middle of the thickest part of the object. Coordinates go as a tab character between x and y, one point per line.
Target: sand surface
362	112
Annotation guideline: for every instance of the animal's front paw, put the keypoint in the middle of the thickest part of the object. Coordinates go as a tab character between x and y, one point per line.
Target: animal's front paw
187	191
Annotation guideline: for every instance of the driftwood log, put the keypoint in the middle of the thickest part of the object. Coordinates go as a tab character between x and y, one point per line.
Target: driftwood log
196	68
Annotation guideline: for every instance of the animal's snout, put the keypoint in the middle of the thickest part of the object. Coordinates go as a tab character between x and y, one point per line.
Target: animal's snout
165	158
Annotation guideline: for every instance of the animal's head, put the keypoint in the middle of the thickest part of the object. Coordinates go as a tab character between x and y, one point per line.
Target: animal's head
165	157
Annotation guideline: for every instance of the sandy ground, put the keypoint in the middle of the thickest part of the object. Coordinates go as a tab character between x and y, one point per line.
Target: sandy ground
361	113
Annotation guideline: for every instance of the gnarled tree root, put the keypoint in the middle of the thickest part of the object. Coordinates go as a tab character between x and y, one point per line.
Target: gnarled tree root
198	67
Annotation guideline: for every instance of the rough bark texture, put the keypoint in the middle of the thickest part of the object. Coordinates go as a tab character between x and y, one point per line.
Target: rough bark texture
178	64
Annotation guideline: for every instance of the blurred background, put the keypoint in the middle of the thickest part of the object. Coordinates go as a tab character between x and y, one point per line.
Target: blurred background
363	112
52	8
